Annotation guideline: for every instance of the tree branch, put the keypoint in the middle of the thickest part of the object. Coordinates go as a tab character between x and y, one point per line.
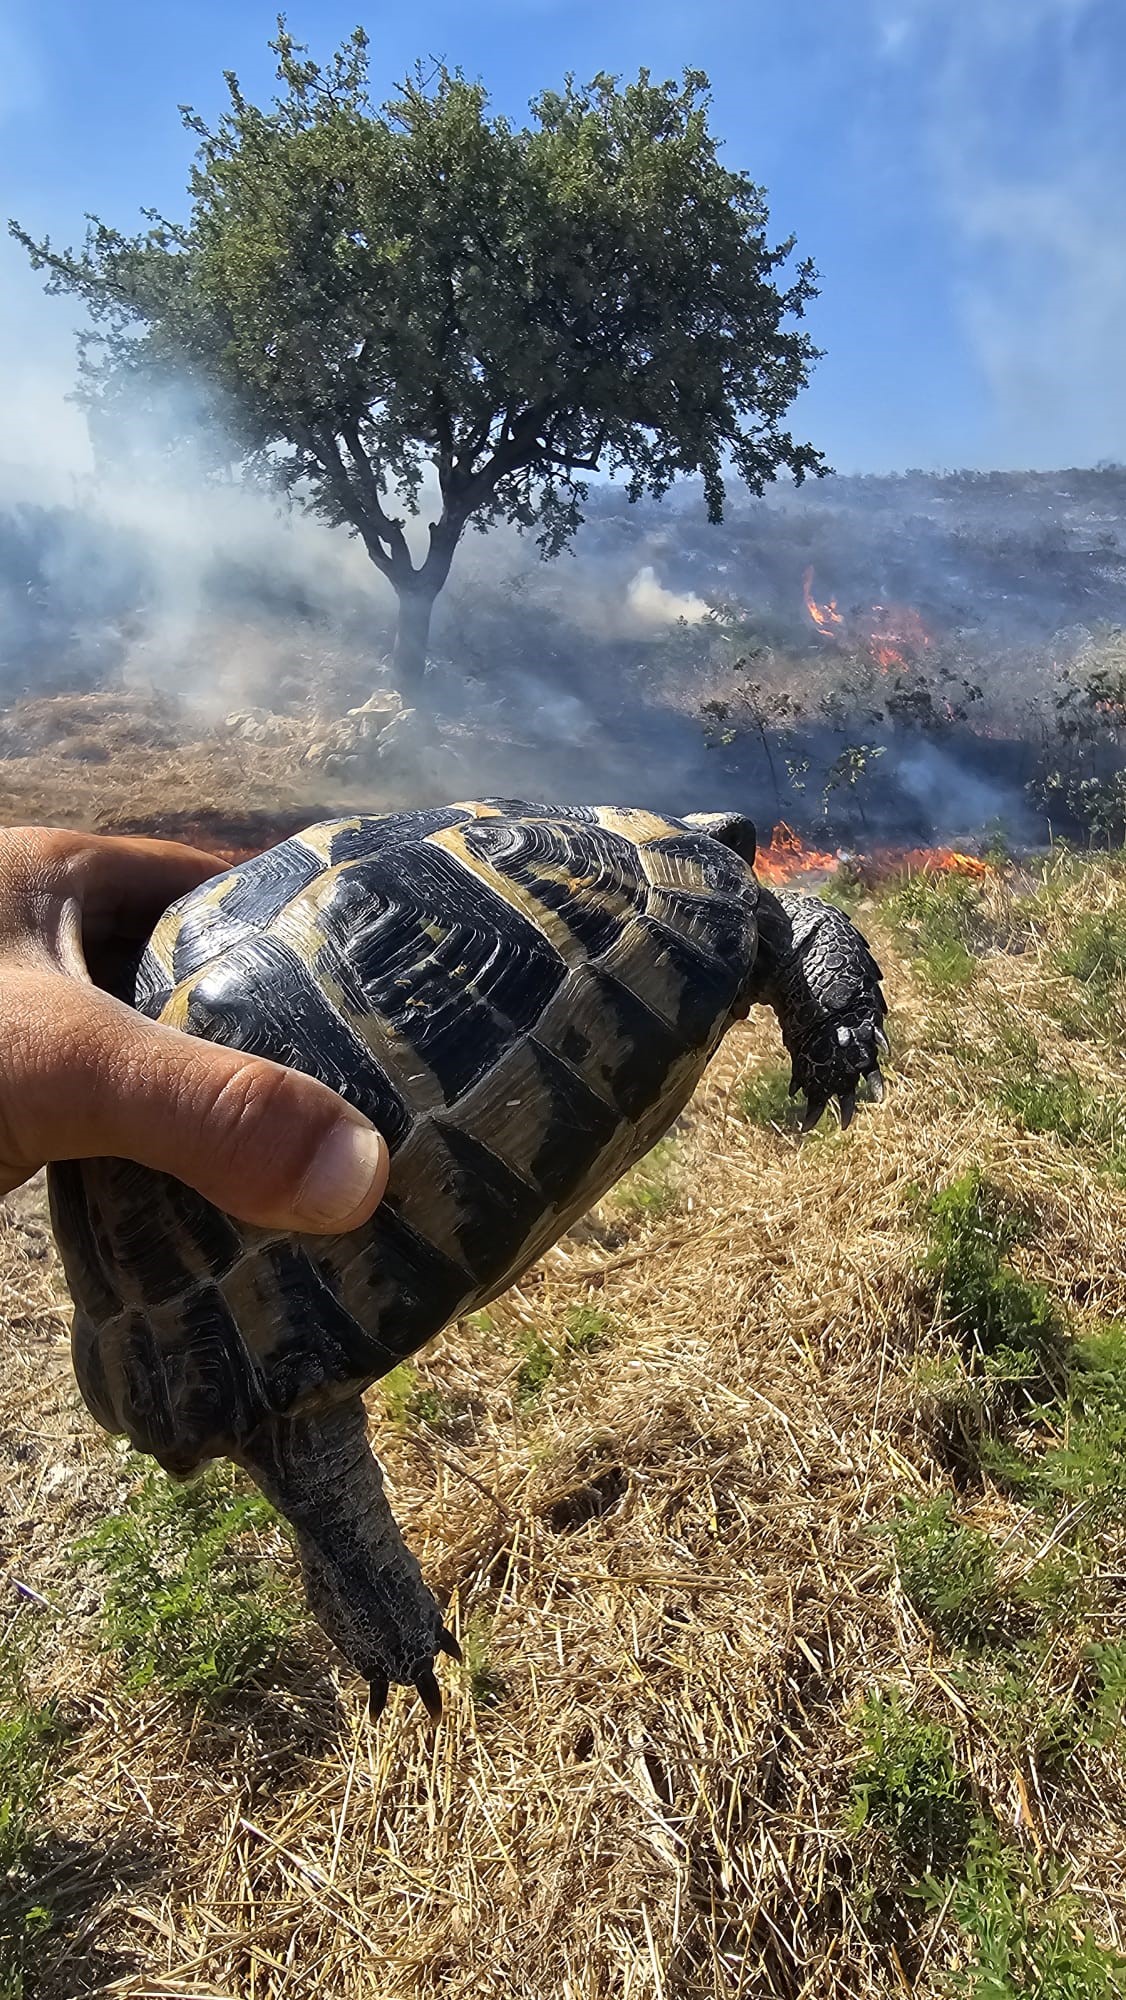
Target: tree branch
390	531
322	447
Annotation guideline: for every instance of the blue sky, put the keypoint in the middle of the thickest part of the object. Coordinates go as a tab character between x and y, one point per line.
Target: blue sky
956	168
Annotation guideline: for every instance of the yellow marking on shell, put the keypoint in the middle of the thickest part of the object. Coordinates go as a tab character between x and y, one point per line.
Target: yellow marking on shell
318	839
302	925
161	943
634	824
480	808
174	1013
635	959
513	893
211	896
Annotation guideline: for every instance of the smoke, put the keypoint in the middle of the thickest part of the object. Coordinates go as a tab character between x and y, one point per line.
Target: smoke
1020	112
649	603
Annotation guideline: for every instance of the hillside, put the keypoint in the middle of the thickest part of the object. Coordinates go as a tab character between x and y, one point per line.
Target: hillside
780	1514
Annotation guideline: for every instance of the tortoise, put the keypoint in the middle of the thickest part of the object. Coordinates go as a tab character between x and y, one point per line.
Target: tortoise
522	998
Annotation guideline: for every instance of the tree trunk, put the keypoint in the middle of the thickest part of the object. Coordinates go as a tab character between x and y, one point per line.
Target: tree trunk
411	638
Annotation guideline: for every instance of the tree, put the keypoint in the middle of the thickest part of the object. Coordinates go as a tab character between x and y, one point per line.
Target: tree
420	308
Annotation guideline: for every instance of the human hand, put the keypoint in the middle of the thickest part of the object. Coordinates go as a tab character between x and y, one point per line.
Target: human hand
81	1074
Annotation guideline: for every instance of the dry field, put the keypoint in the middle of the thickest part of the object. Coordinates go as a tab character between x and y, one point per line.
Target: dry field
787	1565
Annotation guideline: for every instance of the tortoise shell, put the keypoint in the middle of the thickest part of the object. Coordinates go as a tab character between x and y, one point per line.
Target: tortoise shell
521	998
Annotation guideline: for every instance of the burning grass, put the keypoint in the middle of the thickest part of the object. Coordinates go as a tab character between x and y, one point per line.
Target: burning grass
780	1516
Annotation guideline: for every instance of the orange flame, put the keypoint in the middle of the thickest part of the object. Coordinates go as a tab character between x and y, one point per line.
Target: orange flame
787	855
942	861
786	858
894	634
826	617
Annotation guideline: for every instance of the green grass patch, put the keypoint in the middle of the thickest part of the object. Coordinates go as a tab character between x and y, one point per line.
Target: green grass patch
31	1736
942	921
764	1098
947	1569
584	1330
1024	1939
486	1683
1094	950
908	1786
411	1401
1086	1461
1004	1323
187	1606
648	1192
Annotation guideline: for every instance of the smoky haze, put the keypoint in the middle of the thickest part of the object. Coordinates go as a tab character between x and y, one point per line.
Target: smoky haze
661	661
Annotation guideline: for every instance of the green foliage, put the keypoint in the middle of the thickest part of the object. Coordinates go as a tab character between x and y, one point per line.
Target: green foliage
648	1192
186	1606
368	291
764	1098
537	1368
908	1786
1095	948
1003	1320
942	919
947	1569
1088	1462
30	1739
409	1400
1060	1102
486	1685
1025	1939
585	1329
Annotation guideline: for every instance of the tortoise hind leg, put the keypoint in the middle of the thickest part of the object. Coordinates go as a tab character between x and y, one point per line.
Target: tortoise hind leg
362	1583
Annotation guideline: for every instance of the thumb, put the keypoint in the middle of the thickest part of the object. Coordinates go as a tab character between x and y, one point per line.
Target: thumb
267	1144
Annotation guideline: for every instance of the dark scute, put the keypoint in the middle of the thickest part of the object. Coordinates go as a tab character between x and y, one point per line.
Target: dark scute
158	1233
734	830
433	886
415	1287
710	987
647	1047
213	1384
263	998
260	888
382	830
317	1339
458	1001
717	925
151	986
90	1370
574	1046
499	1210
87	1255
579	1127
146	1411
721	868
526	854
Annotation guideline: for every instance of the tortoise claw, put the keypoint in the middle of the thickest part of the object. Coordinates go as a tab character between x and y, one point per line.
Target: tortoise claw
847	1102
875	1084
882	1042
448	1644
377	1698
814	1111
430	1692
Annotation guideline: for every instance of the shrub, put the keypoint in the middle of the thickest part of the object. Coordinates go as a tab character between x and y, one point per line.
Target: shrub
186	1605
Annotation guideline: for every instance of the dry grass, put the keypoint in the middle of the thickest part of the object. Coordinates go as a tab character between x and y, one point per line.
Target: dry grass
666	1565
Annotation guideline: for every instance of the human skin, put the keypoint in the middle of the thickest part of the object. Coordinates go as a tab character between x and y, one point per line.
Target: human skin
82	1075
